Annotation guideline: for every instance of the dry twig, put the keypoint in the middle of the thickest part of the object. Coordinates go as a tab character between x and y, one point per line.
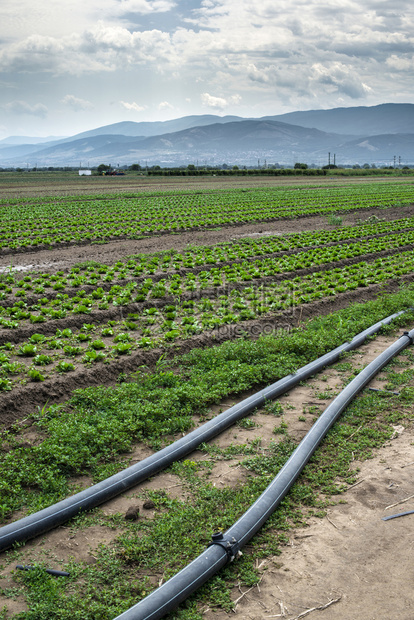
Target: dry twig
400	502
355	484
332	523
244	593
309	611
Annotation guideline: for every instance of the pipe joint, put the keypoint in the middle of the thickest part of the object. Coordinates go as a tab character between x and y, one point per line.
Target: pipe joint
228	543
408	334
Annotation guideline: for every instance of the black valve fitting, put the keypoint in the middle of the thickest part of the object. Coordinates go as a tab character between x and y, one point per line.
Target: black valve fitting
229	544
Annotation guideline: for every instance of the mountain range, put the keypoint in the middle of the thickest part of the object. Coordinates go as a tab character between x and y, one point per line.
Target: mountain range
356	135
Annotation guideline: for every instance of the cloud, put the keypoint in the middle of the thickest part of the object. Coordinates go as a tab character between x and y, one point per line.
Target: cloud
22	107
76	104
164	105
132	107
257	75
144	7
101	48
400	63
340	79
219	103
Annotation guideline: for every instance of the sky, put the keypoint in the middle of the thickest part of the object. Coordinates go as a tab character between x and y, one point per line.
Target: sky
67	67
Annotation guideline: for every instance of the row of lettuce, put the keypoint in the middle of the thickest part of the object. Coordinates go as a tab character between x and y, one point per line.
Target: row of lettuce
50	351
27	223
240	259
40	297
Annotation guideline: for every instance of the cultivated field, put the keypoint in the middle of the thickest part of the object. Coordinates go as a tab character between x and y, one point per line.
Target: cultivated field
161	303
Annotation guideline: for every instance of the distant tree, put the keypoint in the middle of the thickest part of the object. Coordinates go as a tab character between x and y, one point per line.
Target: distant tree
135	167
299	166
103	168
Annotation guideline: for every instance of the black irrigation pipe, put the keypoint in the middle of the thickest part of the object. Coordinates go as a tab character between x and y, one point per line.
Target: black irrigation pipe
51	517
224	548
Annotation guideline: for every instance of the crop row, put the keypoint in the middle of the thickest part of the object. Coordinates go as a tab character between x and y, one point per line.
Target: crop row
51	222
41	356
140	266
176	285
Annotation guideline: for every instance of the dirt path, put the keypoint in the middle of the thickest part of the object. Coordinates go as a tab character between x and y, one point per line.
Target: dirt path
351	556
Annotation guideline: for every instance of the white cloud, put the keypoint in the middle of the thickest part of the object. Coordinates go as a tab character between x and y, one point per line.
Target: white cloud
132	107
144	7
22	107
21	18
400	63
339	78
164	105
213	102
76	104
102	48
219	103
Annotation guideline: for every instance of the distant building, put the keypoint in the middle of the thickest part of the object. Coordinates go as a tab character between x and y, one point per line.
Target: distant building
85	173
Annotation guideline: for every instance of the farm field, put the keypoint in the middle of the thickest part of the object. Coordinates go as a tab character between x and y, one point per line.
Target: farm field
96	286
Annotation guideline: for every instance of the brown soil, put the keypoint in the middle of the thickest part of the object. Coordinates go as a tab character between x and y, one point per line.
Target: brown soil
49	184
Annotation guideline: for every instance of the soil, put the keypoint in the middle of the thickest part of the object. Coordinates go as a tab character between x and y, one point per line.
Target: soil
350	564
352	559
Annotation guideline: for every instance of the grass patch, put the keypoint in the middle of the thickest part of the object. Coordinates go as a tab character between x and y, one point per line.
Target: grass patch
99	426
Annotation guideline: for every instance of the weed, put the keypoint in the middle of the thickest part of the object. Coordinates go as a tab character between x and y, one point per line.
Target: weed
335	220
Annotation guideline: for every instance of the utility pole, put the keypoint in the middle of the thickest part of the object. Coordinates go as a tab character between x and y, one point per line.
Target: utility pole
395	157
334	158
329	159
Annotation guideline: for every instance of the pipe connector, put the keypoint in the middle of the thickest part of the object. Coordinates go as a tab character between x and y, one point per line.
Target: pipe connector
229	544
408	334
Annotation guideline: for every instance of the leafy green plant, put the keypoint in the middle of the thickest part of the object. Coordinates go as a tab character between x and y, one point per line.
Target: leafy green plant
27	350
35	375
122	348
42	360
64	367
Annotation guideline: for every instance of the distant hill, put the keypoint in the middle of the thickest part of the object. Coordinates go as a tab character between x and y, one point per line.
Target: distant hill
154	128
12	140
355	135
364	121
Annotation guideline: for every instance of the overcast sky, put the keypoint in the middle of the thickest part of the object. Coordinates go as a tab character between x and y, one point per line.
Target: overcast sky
68	66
